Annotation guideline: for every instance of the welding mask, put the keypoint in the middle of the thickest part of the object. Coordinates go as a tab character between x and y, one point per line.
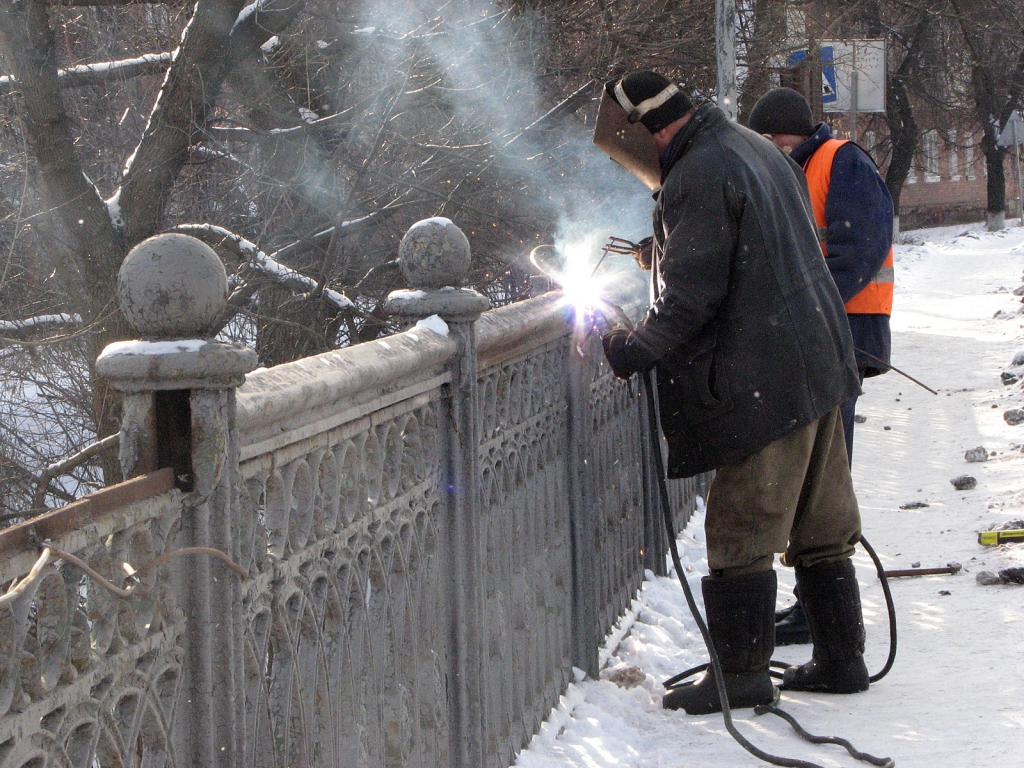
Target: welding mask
621	136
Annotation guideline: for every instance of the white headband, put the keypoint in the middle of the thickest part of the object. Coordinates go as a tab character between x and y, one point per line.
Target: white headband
645	106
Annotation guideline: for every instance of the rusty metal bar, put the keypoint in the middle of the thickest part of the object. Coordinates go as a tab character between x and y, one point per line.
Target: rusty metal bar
948	570
24	536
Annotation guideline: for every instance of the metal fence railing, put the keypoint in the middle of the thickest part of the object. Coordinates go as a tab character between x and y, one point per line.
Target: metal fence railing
435	528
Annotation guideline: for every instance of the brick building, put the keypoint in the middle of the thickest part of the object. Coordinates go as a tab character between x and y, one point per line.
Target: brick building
947	183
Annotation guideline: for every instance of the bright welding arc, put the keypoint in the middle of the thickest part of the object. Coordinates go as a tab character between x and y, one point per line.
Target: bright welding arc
579	283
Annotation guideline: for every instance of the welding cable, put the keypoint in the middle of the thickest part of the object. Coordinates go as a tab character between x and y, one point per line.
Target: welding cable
138	586
882	762
889	607
48	551
715	664
17	588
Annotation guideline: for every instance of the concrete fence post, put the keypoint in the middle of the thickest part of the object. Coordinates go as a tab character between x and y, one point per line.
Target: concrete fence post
434	256
179	411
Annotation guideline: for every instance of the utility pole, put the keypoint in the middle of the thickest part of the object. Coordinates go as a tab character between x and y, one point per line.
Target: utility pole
725	36
807	33
854	88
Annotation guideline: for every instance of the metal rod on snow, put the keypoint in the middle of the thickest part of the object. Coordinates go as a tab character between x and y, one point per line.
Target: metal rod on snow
950	569
892	367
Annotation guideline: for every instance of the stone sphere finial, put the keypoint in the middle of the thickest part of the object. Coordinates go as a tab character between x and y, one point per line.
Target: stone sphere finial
433	254
172	286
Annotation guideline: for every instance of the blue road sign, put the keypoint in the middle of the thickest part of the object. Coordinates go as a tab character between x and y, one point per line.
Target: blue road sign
828	75
828	71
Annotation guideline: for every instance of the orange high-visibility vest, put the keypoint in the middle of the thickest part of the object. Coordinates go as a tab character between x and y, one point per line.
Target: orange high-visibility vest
876	297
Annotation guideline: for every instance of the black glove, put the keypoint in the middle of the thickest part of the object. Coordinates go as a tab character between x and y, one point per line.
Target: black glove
617	352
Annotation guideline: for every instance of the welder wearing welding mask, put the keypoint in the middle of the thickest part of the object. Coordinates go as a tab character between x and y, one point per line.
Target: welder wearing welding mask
753	355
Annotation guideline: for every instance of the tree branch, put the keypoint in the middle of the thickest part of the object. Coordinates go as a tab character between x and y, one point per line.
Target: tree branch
14	330
43	484
259	263
100	72
26	31
182	111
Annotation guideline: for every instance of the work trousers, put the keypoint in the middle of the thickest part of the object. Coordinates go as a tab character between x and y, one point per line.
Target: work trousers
849	412
794	496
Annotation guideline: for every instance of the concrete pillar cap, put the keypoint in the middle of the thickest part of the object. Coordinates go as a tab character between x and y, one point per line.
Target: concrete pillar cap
434	253
172	286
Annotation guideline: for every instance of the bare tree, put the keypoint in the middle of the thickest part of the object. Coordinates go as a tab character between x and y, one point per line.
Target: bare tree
602	39
993	35
908	41
98	231
300	140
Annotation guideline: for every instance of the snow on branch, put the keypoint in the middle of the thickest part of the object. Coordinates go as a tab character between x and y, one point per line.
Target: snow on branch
101	71
246	12
322	239
265	266
30	325
312	124
326	123
265	18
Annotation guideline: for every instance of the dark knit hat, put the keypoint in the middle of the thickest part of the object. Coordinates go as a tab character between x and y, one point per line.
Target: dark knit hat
649	98
782	110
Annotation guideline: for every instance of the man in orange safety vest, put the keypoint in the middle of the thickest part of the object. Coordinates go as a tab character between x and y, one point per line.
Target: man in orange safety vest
854	214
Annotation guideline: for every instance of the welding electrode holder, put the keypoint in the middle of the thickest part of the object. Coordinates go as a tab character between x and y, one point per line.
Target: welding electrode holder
641	252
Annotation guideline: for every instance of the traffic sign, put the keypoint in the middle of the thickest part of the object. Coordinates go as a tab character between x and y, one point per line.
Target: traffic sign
1013	131
858	72
852	74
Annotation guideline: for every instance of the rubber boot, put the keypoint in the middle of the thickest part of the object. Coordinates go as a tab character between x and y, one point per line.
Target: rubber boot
741	622
784	612
831	600
792	628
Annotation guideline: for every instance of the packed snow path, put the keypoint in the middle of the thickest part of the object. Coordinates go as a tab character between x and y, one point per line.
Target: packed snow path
955	696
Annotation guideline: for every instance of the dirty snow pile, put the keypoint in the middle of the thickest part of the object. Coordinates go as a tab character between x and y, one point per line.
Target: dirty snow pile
955	696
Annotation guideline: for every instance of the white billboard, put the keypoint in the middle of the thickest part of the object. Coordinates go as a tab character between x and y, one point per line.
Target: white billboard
840	59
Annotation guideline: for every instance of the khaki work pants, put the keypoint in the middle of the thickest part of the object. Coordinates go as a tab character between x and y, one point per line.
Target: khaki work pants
794	496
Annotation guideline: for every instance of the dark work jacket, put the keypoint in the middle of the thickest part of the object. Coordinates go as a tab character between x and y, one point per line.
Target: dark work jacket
747	331
858	218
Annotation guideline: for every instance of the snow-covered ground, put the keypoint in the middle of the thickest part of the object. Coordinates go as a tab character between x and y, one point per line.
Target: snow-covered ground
955	696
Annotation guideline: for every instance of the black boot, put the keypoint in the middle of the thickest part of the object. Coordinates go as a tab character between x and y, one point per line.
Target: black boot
831	601
784	612
791	628
741	622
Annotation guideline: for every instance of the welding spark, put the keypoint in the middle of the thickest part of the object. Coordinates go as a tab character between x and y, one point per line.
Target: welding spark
584	284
